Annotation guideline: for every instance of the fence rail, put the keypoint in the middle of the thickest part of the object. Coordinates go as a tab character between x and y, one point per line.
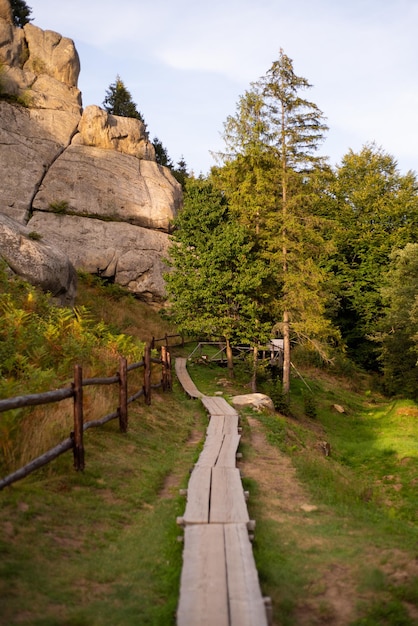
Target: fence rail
75	391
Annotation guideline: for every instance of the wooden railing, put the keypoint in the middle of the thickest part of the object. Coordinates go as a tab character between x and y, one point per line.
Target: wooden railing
75	391
166	339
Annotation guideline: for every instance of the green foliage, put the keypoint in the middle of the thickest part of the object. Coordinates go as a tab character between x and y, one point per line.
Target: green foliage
34	235
280	400
311	409
374	212
60	207
40	344
161	154
21	13
181	173
215	278
118	101
399	336
272	179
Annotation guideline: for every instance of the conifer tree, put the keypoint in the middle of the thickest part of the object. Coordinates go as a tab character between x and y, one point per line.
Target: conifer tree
270	176
161	153
118	101
21	12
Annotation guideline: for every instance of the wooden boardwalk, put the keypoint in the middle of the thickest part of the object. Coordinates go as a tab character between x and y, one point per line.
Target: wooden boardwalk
219	580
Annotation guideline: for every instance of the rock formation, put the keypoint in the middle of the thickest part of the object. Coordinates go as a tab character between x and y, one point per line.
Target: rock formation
84	181
39	262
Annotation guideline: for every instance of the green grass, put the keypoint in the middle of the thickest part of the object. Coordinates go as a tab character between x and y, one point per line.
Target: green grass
100	547
366	524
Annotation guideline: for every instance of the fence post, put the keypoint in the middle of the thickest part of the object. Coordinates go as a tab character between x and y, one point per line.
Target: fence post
123	395
168	368
164	380
77	435
147	374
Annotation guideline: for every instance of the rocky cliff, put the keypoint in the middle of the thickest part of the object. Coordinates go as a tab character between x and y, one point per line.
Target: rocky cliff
81	181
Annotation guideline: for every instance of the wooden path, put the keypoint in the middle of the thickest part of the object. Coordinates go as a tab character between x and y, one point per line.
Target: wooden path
219	580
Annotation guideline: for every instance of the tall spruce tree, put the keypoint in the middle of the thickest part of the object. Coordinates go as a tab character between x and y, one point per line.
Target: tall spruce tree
270	174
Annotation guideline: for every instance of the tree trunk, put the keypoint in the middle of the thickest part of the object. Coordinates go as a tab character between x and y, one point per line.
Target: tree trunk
254	376
229	359
286	354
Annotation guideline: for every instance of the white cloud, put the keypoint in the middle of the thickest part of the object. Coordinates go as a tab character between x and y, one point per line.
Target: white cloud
187	62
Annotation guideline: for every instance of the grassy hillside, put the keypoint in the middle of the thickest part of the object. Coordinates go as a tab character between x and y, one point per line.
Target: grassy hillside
336	537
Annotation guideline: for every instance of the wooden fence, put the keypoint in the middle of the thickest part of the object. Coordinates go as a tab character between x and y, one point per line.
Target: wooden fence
75	391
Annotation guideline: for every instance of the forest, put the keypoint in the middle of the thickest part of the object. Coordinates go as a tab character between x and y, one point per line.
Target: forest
277	243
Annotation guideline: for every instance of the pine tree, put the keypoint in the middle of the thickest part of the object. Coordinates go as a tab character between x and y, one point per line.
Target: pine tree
181	173
161	153
270	176
118	101
21	12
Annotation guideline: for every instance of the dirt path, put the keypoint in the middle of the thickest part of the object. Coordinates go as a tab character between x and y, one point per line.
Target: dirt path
284	500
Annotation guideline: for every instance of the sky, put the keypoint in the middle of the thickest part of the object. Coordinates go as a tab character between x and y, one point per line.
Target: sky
187	62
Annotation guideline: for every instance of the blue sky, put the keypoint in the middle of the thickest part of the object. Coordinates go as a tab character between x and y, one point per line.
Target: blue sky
187	62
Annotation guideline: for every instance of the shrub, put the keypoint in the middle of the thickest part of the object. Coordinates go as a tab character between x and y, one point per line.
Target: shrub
60	206
310	406
34	235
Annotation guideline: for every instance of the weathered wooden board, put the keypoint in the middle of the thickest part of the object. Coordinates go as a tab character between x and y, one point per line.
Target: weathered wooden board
211	449
203	586
231	424
227	424
216	424
185	380
246	602
228	454
198	496
217	406
227	500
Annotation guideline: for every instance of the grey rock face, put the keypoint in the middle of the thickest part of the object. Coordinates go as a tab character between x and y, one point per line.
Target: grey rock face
39	262
129	255
99	168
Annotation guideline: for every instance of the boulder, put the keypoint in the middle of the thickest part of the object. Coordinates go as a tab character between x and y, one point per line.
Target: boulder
95	182
41	68
125	134
128	255
257	401
37	261
52	54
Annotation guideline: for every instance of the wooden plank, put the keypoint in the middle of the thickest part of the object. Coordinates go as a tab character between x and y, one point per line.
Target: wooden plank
217	406
203	587
216	424
246	604
228	424
211	449
198	496
185	380
227	500
228	454
231	424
